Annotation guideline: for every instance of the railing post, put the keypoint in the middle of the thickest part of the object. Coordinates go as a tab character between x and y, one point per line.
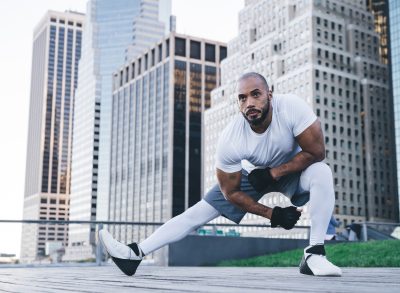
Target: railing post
99	247
214	230
364	234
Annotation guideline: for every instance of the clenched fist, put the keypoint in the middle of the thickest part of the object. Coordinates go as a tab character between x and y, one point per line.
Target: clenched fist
261	179
285	217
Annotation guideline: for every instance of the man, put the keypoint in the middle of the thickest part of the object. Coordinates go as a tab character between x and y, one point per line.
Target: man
280	143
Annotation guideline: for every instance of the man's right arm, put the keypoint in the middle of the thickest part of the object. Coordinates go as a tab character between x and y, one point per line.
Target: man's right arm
230	187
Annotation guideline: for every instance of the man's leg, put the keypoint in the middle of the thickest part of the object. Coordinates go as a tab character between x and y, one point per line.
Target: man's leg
180	226
317	179
213	205
128	257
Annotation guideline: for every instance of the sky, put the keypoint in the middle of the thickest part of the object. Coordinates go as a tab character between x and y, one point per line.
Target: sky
212	19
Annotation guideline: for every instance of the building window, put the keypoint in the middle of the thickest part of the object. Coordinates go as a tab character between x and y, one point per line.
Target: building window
222	53
195	50
159	52
153	57
167	48
210	52
180	47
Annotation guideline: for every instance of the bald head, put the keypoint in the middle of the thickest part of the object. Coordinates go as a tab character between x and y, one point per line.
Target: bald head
254	75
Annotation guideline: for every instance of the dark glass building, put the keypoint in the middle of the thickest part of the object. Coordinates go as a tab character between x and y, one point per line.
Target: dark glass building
158	104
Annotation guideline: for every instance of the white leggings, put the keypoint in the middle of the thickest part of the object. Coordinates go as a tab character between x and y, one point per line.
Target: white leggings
178	227
317	179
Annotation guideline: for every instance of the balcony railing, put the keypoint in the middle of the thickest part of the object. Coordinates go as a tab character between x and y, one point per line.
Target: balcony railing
216	229
363	231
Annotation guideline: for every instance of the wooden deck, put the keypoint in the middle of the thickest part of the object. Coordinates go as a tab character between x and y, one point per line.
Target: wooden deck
194	279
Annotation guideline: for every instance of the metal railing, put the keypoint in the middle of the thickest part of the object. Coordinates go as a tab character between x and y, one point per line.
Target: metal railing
366	231
98	225
377	229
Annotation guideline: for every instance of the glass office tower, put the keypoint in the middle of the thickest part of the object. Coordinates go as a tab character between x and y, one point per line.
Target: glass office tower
56	52
114	29
394	20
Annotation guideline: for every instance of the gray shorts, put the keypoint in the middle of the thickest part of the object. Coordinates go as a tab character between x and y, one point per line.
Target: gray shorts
287	185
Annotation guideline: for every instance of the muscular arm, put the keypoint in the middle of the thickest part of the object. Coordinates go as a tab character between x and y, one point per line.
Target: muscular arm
312	144
230	187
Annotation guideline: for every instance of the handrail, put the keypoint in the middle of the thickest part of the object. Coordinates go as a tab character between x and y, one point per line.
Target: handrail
382	223
131	223
100	224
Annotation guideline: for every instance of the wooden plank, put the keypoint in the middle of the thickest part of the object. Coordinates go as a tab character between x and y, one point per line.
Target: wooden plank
194	279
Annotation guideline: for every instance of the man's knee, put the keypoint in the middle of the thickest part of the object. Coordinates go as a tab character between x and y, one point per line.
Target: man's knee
317	179
321	167
320	172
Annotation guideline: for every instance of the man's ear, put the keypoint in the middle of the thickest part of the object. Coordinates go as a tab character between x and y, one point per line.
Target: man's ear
270	94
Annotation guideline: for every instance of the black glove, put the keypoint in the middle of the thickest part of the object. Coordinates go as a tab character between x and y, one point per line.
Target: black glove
285	217
261	179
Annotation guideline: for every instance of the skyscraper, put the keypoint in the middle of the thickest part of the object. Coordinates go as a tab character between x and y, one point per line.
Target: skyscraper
114	30
158	103
56	52
327	52
394	20
380	10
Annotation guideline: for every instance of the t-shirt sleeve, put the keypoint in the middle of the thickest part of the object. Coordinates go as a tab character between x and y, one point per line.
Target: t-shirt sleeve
300	114
227	158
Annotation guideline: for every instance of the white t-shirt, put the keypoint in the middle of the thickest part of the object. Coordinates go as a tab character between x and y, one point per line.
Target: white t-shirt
240	147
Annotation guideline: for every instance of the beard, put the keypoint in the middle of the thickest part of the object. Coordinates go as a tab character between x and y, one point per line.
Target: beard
258	121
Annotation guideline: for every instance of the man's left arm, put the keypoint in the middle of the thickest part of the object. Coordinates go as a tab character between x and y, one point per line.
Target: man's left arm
311	141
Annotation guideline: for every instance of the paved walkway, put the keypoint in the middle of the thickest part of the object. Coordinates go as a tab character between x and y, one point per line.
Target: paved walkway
194	279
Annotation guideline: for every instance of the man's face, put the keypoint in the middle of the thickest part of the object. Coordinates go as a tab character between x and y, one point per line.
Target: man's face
254	100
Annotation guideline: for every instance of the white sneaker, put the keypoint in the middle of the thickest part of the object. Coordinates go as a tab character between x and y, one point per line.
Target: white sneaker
315	263
126	257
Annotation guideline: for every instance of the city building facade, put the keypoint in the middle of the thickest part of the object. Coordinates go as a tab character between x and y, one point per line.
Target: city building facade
56	52
158	104
114	30
394	53
327	52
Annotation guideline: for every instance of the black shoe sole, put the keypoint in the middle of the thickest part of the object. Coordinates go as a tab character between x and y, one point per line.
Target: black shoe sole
304	268
127	266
